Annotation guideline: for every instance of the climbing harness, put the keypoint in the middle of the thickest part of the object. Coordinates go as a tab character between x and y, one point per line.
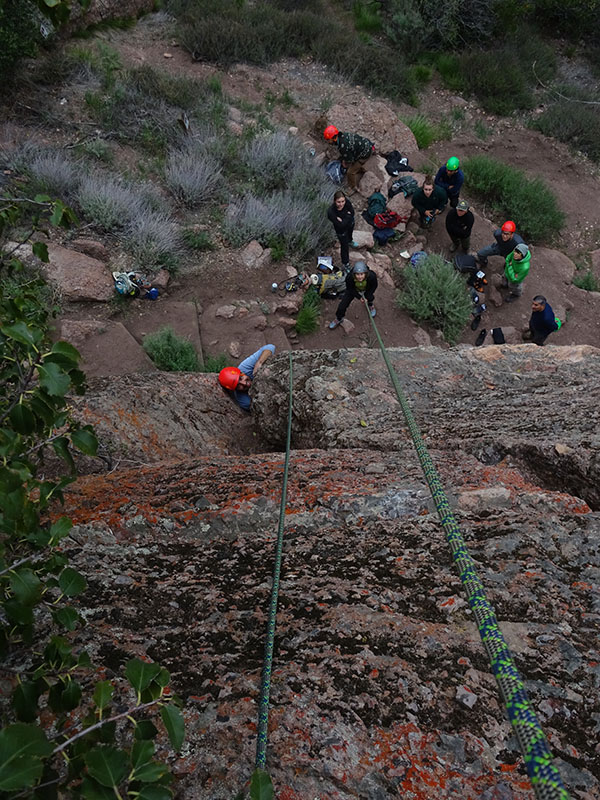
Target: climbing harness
544	776
265	686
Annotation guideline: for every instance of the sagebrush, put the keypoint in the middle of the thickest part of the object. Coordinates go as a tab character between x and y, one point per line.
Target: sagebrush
171	352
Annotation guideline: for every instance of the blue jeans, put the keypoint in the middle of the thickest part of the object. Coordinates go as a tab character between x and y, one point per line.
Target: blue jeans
487	251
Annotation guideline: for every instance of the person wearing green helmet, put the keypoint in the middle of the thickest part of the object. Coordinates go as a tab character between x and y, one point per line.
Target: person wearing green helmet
451	178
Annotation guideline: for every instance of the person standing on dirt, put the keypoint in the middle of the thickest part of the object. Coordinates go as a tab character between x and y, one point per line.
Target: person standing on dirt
360	284
355	151
516	268
429	201
237	380
506	241
341	214
459	224
542	321
450	178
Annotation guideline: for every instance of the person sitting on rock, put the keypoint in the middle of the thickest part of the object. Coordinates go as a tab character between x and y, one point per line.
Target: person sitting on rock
355	151
360	283
516	268
451	179
430	200
506	241
459	224
542	321
341	214
237	380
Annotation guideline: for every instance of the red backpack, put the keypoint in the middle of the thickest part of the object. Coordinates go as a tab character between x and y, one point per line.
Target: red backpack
388	219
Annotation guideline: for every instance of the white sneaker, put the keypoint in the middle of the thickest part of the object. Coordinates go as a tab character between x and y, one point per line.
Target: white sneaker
373	311
334	324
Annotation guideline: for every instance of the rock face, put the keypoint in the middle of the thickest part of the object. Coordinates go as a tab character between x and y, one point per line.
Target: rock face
380	687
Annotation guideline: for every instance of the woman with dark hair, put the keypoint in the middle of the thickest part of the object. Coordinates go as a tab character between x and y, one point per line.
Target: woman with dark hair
341	214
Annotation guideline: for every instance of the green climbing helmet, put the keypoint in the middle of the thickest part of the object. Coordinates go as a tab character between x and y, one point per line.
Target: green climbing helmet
452	163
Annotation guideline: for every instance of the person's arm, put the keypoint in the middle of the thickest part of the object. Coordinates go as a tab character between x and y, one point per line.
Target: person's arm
442	201
509	270
266	353
439	179
248	365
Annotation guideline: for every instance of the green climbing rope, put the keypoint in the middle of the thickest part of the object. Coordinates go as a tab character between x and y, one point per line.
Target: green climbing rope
265	686
544	776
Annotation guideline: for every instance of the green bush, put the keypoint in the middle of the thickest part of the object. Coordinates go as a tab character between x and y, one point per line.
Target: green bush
198	240
214	363
307	320
589	282
574	123
366	16
436	293
171	352
426	132
498	79
511	193
19	34
448	65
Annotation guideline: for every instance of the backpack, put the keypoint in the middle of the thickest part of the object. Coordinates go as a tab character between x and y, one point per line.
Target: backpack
126	284
383	235
417	258
463	262
396	163
330	286
388	219
335	172
406	184
376	204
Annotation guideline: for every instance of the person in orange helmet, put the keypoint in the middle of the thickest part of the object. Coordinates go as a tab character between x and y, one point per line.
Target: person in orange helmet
237	380
354	150
506	239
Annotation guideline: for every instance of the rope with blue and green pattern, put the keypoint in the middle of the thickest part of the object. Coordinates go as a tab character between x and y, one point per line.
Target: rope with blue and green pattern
265	685
544	776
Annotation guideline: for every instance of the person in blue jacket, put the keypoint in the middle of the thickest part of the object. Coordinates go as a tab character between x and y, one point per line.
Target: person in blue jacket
451	178
237	380
542	321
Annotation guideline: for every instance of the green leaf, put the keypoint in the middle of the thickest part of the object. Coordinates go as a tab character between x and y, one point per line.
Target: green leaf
67	351
139	673
173	722
84	659
71	582
145	729
25	701
60	528
141	753
22	419
41	251
21	748
155	793
26	586
85	441
163	677
107	764
18	613
103	694
67	617
261	787
21	332
61	448
92	790
53	379
150	773
71	696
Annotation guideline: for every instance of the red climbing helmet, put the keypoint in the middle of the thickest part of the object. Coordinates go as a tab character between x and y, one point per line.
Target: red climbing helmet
229	377
509	226
330	132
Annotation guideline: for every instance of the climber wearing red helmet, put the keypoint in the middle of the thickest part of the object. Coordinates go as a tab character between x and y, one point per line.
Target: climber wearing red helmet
237	380
506	241
354	150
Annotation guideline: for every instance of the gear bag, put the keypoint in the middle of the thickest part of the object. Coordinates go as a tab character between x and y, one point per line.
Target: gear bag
376	204
406	185
335	172
389	219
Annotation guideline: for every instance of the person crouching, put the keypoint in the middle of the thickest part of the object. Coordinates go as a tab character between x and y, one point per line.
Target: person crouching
360	284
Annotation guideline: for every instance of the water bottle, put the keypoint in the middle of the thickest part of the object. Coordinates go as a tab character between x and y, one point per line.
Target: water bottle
151	294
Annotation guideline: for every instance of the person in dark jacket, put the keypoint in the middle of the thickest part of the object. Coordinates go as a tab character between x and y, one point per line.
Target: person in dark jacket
360	284
505	242
341	214
355	151
430	200
542	321
459	224
451	179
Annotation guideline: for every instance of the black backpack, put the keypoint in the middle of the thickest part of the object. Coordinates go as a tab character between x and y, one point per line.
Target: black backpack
406	184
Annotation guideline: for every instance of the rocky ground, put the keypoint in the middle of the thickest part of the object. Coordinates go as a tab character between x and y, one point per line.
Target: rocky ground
381	686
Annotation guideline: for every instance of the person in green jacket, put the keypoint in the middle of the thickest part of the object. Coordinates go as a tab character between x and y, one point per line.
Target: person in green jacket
516	268
429	201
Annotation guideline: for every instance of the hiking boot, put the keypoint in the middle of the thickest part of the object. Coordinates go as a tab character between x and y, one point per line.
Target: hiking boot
373	311
475	322
510	298
333	325
354	244
453	248
345	268
481	338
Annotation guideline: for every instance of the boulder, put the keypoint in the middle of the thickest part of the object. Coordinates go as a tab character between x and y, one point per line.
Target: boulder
364	238
227	312
161	280
250	255
369	183
400	204
78	277
377	121
555	263
91	248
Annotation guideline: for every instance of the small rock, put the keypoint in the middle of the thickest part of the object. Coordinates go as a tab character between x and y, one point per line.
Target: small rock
227	312
234	349
234	114
293	130
161	281
465	696
251	253
347	325
235	128
167	55
563	449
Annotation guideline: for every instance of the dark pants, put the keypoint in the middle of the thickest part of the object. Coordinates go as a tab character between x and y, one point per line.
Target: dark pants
537	337
453	200
344	240
347	298
462	244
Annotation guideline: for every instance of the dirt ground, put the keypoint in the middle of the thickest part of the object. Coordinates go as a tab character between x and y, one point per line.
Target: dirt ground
314	89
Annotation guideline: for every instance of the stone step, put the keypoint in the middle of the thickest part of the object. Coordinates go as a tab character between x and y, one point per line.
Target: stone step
107	348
